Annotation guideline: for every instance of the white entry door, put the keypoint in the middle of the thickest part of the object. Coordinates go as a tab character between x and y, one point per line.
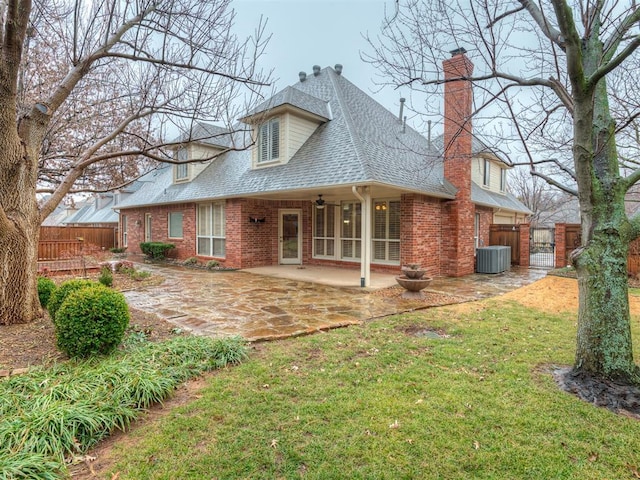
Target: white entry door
290	237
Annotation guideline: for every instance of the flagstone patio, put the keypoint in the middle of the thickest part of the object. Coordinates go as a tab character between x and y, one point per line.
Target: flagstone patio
265	307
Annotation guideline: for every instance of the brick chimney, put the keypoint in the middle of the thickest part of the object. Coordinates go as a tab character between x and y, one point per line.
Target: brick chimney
459	250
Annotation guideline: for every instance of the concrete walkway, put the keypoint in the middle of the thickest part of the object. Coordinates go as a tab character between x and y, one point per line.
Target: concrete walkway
295	302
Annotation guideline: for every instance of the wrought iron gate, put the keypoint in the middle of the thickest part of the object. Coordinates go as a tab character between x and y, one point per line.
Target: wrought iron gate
542	247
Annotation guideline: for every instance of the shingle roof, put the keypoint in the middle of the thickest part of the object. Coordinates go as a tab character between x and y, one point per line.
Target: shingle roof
488	198
208	134
296	98
90	213
362	143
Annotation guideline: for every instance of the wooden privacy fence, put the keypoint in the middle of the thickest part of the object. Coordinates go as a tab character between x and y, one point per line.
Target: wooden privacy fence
506	235
57	243
572	241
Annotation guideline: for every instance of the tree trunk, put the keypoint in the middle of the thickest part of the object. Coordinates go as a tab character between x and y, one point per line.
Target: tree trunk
604	348
19	222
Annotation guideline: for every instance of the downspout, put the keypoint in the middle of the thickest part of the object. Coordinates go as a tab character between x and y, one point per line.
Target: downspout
365	261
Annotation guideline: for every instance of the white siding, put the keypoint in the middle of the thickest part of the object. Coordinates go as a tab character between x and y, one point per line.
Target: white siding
299	130
477	174
199	151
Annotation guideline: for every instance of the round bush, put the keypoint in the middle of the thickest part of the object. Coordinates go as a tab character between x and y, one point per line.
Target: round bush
91	321
46	287
63	292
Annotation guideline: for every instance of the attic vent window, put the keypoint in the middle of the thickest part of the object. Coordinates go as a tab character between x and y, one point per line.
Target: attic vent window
269	141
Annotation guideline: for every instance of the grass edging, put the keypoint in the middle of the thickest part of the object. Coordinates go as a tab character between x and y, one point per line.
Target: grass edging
51	415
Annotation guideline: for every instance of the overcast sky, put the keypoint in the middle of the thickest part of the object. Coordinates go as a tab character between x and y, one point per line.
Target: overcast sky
318	32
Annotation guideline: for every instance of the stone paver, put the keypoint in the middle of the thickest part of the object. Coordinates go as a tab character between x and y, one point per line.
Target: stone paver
259	307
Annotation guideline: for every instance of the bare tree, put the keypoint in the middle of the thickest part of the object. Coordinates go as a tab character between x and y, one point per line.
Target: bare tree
549	206
545	69
88	91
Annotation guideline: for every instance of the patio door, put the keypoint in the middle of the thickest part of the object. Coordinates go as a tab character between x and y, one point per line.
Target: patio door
290	237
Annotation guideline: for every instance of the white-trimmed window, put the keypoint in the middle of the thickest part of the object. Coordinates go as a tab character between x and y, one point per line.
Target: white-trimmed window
211	230
386	231
181	170
324	232
486	177
503	179
125	233
269	141
175	225
351	230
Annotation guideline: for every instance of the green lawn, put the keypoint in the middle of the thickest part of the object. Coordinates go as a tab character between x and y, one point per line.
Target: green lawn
379	402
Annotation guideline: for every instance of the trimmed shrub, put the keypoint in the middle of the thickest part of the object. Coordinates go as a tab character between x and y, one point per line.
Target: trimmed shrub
91	321
191	261
46	287
157	250
106	277
63	291
213	264
118	249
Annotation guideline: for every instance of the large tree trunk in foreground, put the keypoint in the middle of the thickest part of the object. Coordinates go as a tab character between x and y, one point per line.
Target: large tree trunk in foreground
604	349
19	223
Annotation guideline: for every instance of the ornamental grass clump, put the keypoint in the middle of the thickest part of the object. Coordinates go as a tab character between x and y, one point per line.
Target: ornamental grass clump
91	321
59	295
46	287
49	416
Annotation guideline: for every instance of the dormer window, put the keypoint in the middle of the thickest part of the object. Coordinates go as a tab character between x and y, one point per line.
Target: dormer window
269	141
181	170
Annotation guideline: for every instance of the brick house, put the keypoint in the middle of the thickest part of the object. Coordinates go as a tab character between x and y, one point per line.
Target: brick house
330	177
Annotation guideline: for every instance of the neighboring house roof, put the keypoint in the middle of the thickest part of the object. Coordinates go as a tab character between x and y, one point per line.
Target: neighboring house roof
95	212
487	198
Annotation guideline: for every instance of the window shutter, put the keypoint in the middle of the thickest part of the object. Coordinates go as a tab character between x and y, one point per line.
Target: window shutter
275	139
263	145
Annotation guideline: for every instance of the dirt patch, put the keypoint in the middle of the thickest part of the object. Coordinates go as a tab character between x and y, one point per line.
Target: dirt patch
554	294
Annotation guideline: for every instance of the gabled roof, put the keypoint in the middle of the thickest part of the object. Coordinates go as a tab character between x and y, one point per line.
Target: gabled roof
294	97
363	143
207	134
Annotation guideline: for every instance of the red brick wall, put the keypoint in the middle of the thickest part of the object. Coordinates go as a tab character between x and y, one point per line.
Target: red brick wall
561	245
421	232
458	231
185	247
486	219
256	244
524	244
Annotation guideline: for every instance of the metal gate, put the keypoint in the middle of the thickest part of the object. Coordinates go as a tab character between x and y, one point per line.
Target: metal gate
542	247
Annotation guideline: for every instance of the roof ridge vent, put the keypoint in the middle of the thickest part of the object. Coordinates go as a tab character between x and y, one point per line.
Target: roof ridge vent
338	68
302	76
316	70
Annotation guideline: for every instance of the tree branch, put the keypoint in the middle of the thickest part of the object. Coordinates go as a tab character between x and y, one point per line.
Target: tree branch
548	30
555	183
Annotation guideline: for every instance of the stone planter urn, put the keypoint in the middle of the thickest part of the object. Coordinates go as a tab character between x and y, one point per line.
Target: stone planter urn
413	281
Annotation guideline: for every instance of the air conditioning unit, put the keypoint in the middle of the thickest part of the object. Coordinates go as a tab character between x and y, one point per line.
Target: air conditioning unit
493	259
